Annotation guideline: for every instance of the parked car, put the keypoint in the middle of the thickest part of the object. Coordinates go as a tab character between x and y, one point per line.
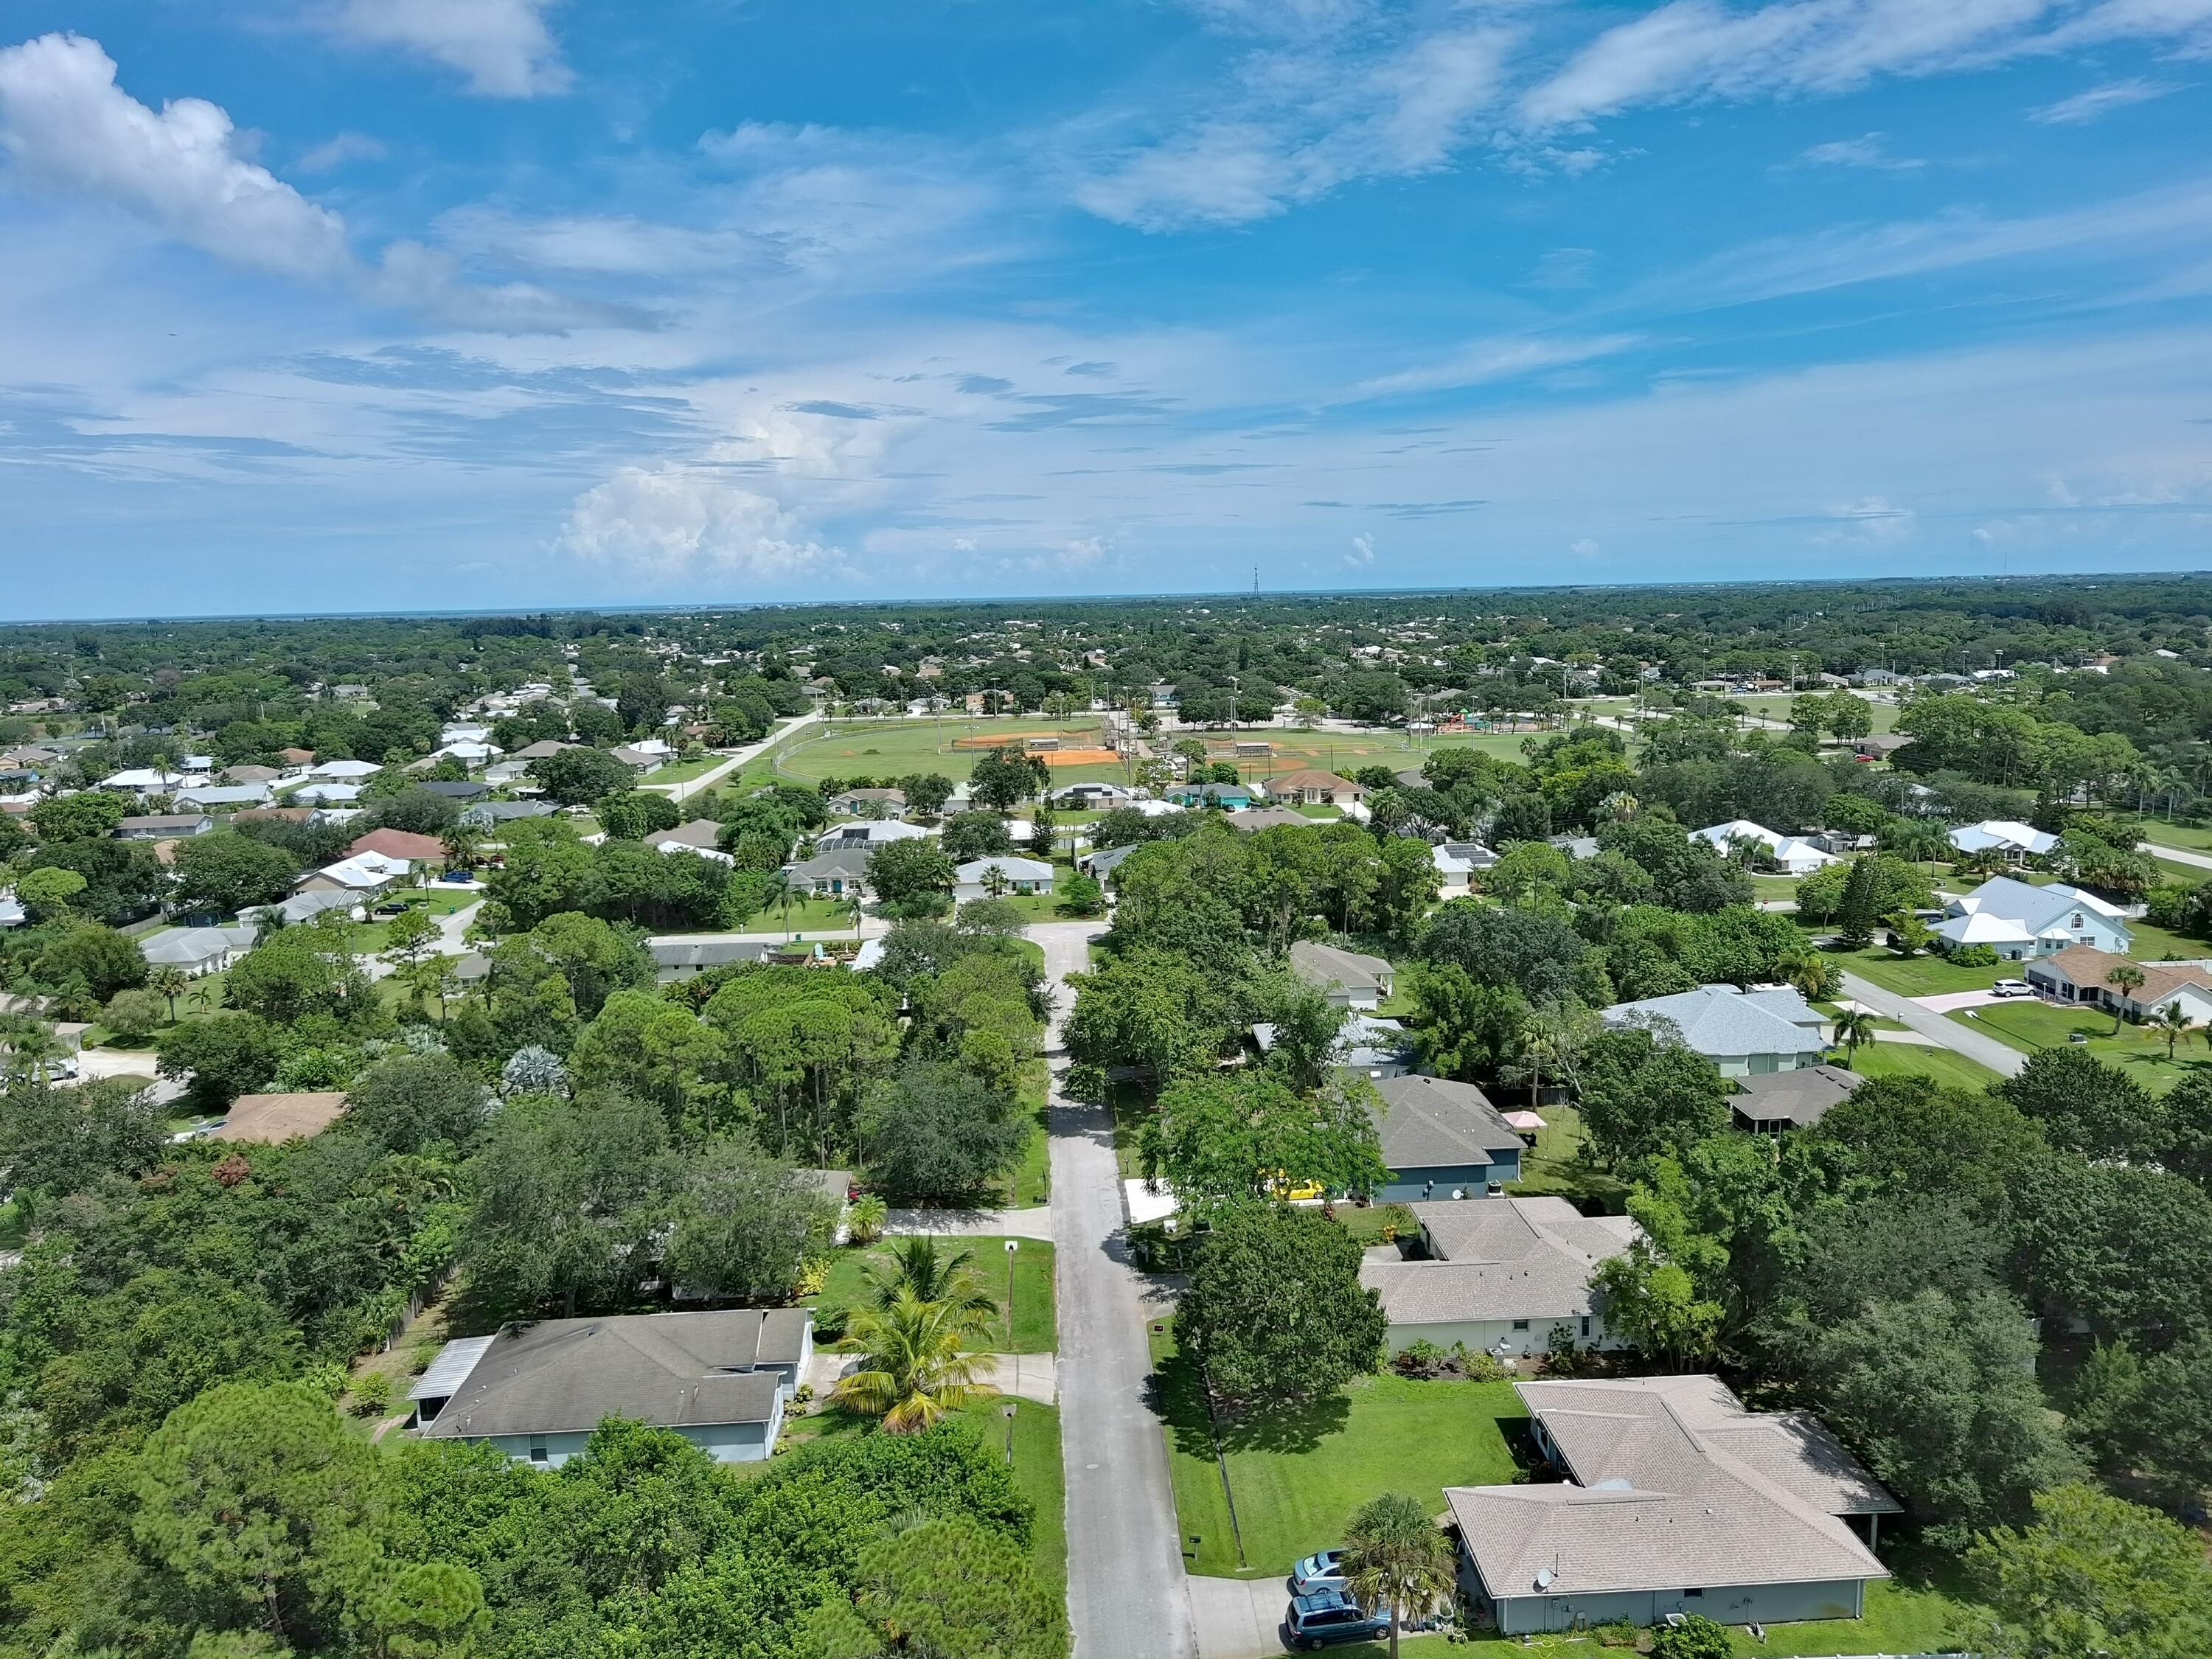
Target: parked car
1329	1617
1323	1569
2012	988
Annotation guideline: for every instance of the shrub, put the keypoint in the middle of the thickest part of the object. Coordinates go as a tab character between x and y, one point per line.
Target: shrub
1418	1358
1974	956
830	1319
372	1394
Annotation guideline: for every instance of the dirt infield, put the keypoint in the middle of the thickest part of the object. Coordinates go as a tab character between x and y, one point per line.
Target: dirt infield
1078	758
1008	739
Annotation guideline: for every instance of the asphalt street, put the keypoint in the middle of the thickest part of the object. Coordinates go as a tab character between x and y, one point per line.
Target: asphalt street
1939	1029
1127	1595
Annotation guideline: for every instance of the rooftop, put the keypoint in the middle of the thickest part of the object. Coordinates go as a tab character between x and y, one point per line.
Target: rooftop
1498	1258
269	1120
1800	1098
1428	1121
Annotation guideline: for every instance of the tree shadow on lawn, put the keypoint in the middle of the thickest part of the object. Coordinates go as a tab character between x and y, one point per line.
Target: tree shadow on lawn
1177	1393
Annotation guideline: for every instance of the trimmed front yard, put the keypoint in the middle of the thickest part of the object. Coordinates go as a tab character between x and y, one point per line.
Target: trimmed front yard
1950	1069
2136	1050
1923	975
1299	1476
849	1283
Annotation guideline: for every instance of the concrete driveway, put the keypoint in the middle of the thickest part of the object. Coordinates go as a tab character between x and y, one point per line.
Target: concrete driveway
1939	1029
1238	1618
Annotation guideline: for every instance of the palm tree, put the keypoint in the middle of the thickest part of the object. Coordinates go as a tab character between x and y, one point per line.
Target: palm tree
1809	974
1396	1556
2127	978
2174	1024
462	846
169	982
203	996
778	892
1853	1027
919	1271
913	1369
29	1043
994	882
865	1218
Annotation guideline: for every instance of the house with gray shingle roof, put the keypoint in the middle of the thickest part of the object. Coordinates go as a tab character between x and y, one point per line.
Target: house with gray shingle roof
1675	1500
1442	1140
1742	1032
1348	978
1500	1277
537	1390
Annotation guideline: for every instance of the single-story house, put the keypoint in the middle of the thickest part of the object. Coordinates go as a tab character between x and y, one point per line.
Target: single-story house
491	814
2081	974
1775	1101
2017	841
326	794
841	872
1500	1277
1797	855
346	771
544	749
697	837
461	789
223	797
148	781
688	958
197	950
1093	797
272	1120
2020	920
1459	862
867	833
638	758
1676	1500
1742	1032
163	826
1365	1046
1252	818
1016	874
537	1390
1349	979
1575	846
299	757
1309	787
363	874
1442	1140
306	907
1228	796
404	845
869	804
1100	862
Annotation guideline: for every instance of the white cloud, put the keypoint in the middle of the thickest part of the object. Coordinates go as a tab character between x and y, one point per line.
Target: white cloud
503	46
2086	106
1870	150
1485	361
1870	521
64	121
1583	549
1362	554
341	151
669	521
429	280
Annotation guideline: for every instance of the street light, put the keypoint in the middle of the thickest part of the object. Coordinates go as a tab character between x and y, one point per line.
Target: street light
1012	1244
1007	1411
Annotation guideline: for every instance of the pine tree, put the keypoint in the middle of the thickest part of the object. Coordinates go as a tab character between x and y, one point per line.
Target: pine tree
1855	915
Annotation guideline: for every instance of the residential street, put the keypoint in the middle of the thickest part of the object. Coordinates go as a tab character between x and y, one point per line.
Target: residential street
707	780
1126	1590
1939	1029
451	940
2175	854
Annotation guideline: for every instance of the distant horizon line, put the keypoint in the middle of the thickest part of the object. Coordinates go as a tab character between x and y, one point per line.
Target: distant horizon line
1159	596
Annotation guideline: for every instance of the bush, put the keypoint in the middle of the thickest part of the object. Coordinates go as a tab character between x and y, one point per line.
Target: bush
830	1319
372	1394
1696	1638
1973	956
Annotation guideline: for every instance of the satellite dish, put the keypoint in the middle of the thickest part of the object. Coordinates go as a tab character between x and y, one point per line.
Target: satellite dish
1544	1578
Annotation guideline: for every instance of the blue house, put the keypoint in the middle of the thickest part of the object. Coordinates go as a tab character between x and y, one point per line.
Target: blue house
1442	1140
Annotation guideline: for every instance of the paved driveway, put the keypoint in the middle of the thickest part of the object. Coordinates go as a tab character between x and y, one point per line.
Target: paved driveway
1125	1587
1939	1029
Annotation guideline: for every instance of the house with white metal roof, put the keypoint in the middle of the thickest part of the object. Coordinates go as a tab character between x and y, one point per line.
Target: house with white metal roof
1675	1500
1797	855
1014	874
2020	920
2017	841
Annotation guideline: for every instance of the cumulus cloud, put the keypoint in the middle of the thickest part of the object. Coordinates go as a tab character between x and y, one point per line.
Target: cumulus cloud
342	150
65	122
502	46
672	520
1871	521
2086	106
1363	552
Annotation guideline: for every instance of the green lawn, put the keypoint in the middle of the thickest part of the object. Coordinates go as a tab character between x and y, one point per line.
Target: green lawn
2161	944
878	749
2198	838
1299	1476
1924	975
2029	1026
682	771
1766	889
1035	1466
850	1270
803	916
371	937
1914	1060
1551	1165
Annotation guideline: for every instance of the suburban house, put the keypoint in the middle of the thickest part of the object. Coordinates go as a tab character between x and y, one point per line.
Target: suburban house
1016	874
867	833
197	950
544	749
869	804
2083	974
1365	1046
537	1390
491	814
841	872
456	788
2020	921
306	907
1093	797
326	794
346	771
146	781
222	797
1500	1277
1797	855
403	845
1742	1032
1100	862
698	837
1775	1101
2017	841
638	758
1349	979
1442	1140
1459	862
1251	818
163	826
272	1120
1229	796
688	958
1676	1500
1311	788
364	873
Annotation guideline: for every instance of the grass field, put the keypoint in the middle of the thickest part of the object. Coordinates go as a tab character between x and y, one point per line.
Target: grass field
850	1282
1550	1166
1035	1466
2136	1050
897	748
1922	975
681	771
2197	837
1952	1071
1298	1477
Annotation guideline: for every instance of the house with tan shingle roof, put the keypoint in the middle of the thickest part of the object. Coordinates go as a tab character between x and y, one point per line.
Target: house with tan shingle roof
1675	1500
2081	974
1499	1276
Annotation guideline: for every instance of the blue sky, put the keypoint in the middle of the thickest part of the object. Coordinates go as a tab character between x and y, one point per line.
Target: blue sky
402	304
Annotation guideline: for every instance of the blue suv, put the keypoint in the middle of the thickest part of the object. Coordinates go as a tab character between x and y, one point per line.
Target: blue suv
1328	1617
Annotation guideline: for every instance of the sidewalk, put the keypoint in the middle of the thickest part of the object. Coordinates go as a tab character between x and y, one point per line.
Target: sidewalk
1024	1376
1034	1222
